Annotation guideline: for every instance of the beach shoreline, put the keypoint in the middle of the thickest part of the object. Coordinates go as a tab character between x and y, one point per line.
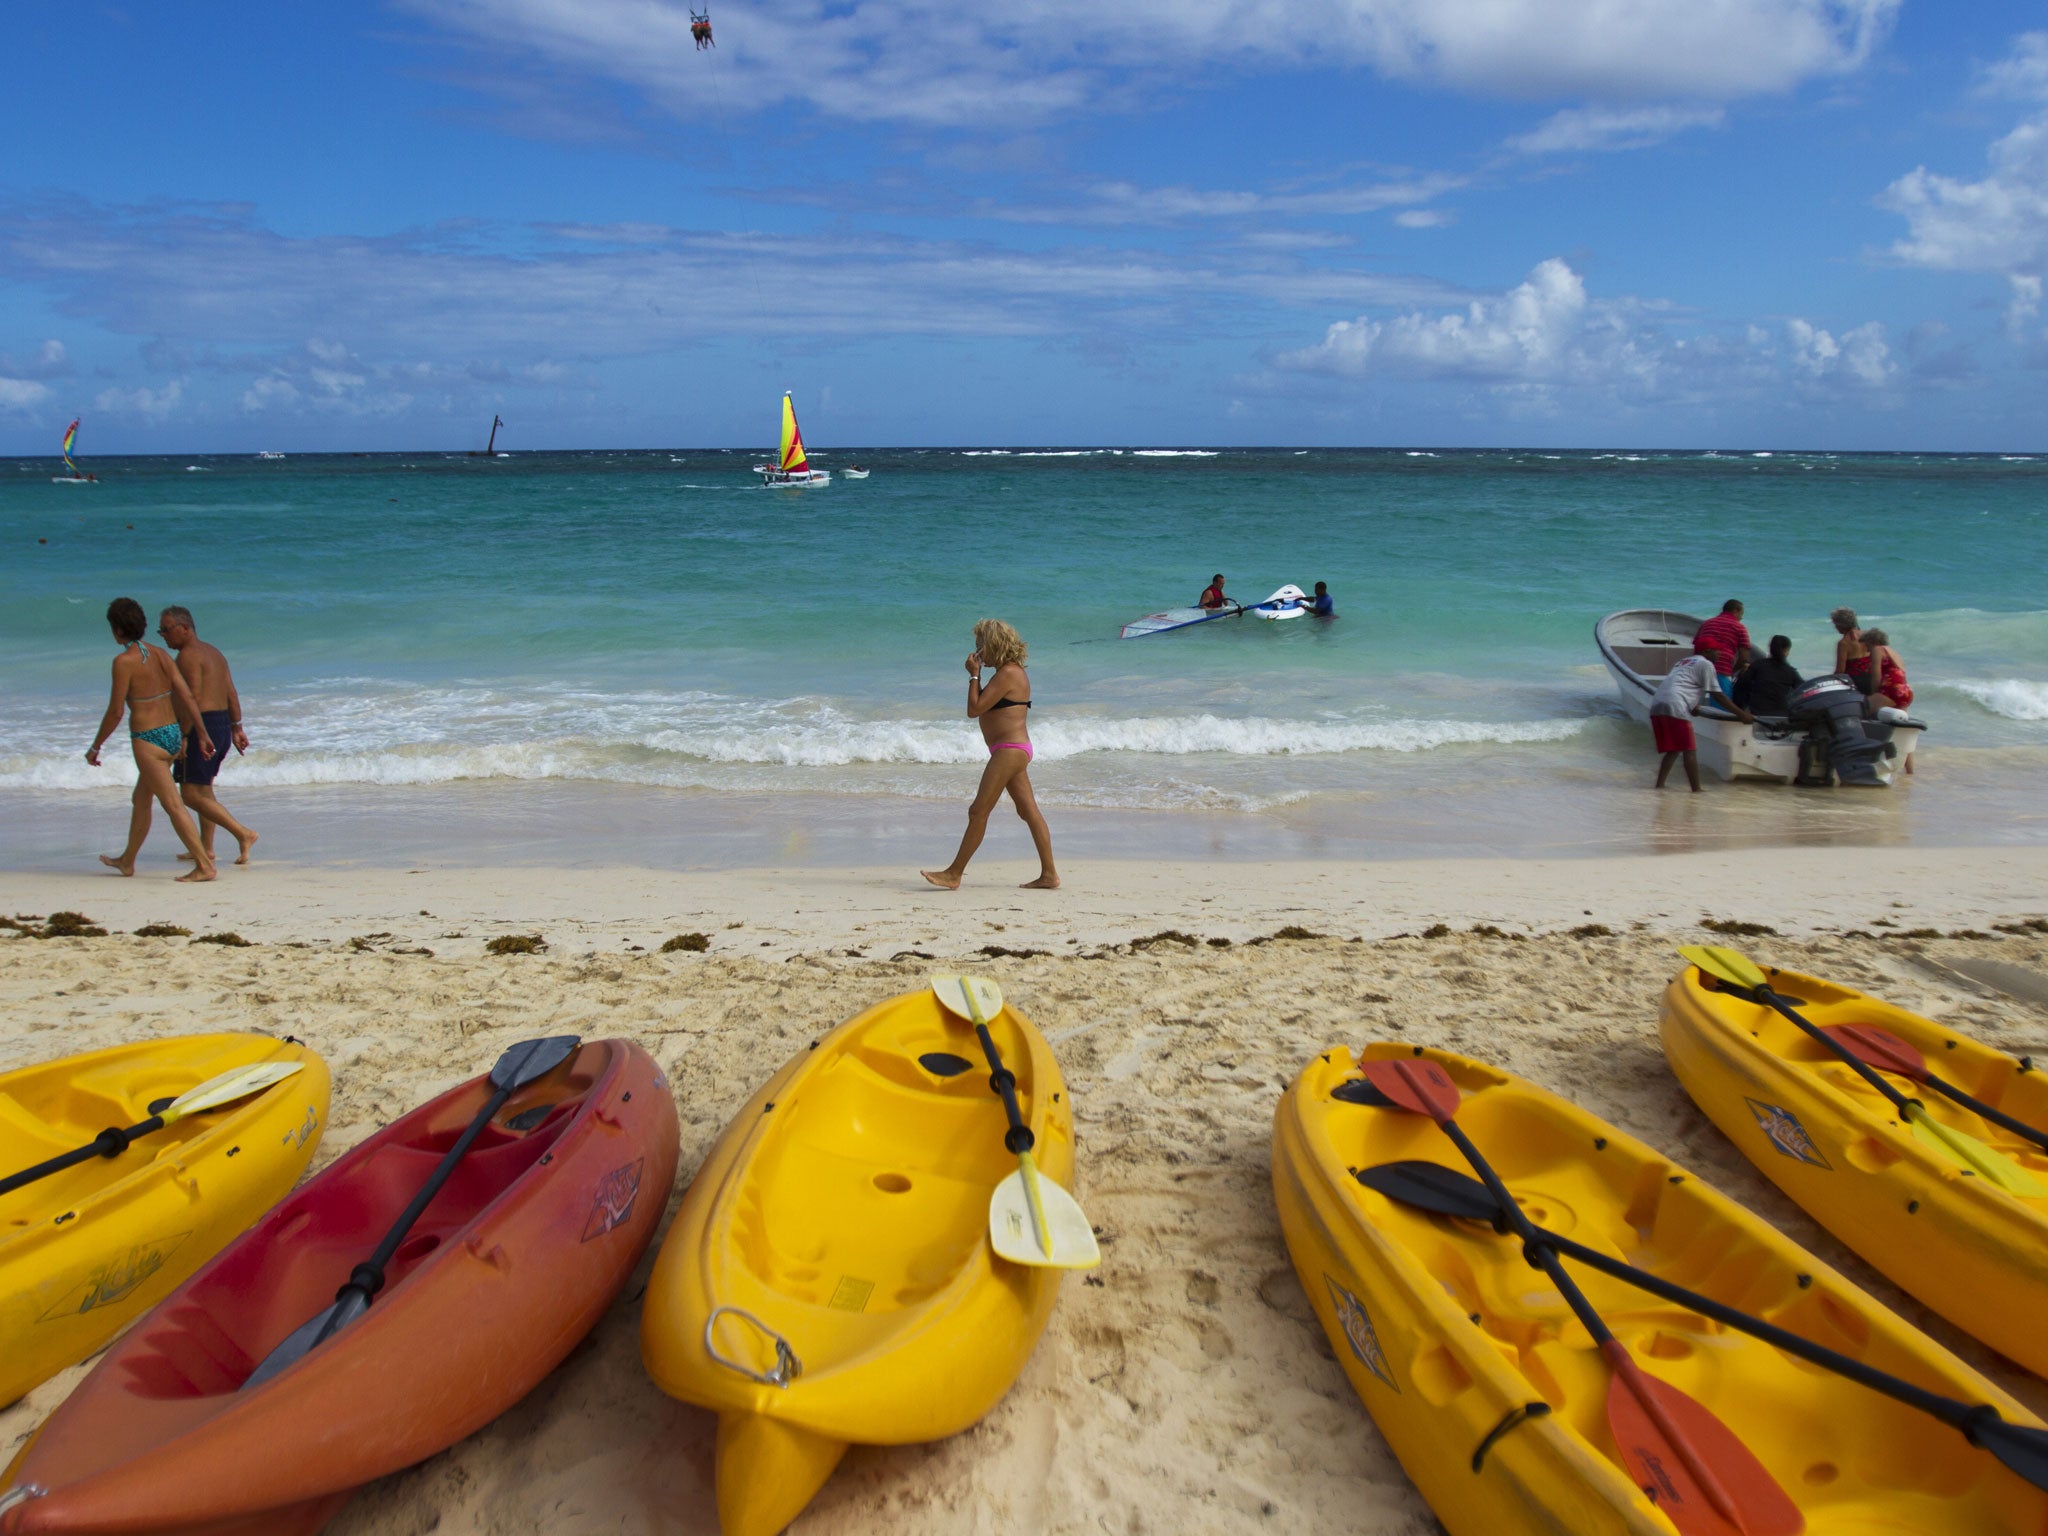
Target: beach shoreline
1186	1386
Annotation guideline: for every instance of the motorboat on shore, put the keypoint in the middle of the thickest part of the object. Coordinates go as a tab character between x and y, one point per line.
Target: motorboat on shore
793	465
1641	645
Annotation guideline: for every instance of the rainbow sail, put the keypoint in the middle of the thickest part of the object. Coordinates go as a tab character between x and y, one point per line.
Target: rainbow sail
793	460
70	437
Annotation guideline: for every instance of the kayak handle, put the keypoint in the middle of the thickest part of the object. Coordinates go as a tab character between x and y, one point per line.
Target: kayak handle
787	1366
21	1493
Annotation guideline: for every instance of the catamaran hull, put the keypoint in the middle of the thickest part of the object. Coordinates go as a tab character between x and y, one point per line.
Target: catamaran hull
1728	748
808	477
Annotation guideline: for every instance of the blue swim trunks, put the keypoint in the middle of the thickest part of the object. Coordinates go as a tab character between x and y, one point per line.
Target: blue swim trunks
194	769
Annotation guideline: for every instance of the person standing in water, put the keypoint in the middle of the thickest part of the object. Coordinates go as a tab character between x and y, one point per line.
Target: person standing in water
1002	708
150	688
220	709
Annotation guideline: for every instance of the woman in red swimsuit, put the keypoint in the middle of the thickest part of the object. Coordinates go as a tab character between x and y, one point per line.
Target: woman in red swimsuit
1002	708
1879	660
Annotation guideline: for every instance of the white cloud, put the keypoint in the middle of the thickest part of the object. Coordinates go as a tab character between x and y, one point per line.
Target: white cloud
1860	357
149	404
1122	202
1998	222
1540	331
1425	218
938	61
1547	339
1584	129
21	394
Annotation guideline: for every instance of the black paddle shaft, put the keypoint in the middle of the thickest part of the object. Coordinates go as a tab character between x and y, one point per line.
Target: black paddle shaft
1976	1106
111	1142
2020	1447
1770	999
1534	1247
1019	1138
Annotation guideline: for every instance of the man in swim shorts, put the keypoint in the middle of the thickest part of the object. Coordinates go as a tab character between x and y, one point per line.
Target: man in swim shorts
206	673
1678	698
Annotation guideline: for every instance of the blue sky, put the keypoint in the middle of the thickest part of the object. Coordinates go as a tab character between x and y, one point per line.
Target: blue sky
1766	223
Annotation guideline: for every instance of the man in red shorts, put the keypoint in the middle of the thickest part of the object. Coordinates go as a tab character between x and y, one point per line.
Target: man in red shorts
1678	698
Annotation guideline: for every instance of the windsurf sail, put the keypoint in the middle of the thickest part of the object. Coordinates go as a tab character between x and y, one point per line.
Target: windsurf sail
70	437
793	460
1173	618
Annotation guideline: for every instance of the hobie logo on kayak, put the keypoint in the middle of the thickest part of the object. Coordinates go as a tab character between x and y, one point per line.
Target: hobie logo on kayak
613	1203
1783	1130
1359	1332
105	1284
298	1137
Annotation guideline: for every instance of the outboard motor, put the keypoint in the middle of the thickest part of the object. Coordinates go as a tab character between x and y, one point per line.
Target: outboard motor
1838	738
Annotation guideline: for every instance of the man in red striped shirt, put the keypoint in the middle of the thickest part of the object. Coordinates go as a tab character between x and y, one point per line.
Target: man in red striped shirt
1724	640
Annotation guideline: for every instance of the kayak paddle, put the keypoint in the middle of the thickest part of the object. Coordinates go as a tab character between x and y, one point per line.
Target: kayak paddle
1447	1192
1878	1047
1742	976
1705	1480
1031	1219
235	1083
527	1062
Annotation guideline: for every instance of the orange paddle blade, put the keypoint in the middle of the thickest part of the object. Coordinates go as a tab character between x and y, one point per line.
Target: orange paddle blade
1879	1048
1704	1479
1422	1087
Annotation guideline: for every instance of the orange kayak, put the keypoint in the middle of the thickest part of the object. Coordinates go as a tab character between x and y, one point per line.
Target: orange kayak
510	1265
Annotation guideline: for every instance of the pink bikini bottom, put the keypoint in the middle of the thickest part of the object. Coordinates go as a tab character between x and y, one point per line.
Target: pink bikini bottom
1015	746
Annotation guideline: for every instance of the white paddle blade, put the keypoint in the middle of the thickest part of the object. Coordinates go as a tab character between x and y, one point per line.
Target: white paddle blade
974	998
236	1083
1014	1234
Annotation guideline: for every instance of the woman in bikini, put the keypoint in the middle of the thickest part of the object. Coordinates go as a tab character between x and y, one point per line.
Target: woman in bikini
1002	708
149	686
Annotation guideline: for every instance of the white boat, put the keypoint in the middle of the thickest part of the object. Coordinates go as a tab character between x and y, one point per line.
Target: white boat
854	472
793	467
267	454
1641	645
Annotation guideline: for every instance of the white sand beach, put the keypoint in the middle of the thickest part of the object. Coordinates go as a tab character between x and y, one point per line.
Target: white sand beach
1184	1387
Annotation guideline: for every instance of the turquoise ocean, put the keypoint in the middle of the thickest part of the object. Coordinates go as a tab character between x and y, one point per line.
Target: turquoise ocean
656	622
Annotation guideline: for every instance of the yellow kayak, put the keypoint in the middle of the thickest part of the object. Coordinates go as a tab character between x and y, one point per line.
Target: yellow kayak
1974	1252
1493	1394
828	1278
85	1251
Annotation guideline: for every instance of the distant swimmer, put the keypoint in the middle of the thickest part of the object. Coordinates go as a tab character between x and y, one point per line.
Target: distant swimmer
1212	595
1322	605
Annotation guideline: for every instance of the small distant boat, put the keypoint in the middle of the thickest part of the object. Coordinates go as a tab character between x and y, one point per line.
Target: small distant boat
1641	645
793	467
489	450
854	472
77	475
1287	603
267	454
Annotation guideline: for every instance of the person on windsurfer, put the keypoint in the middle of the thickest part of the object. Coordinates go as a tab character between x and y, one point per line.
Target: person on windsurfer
1002	708
1212	595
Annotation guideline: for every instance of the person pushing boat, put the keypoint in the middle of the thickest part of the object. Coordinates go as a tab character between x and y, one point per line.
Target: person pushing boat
1002	708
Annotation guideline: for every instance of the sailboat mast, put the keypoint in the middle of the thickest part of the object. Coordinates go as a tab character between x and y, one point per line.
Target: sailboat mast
491	446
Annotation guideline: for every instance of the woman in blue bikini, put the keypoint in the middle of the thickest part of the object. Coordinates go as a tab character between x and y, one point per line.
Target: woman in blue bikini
149	686
1002	708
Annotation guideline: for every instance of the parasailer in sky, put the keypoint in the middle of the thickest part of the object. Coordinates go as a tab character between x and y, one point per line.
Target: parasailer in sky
700	28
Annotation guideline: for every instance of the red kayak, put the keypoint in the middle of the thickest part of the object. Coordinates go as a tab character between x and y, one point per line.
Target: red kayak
511	1263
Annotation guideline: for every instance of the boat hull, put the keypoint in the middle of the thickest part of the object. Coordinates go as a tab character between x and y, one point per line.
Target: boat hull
1449	1339
86	1251
776	477
1635	641
844	1212
509	1267
1976	1254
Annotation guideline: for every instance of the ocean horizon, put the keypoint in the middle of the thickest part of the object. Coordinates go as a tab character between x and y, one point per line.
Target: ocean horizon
655	619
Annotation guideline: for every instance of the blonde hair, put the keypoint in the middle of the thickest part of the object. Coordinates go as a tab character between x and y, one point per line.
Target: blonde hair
998	645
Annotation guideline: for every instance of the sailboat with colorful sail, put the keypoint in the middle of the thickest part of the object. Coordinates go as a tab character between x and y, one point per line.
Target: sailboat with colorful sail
793	467
77	475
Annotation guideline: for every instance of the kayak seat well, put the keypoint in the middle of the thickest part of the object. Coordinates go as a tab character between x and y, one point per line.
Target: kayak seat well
895	1165
260	1292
